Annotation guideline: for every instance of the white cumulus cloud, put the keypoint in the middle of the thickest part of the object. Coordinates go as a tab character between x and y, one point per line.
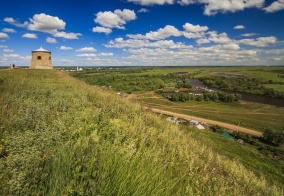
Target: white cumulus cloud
126	14
12	55
30	35
4	35
9	20
116	19
86	49
187	2
106	54
248	34
51	40
143	10
7	30
46	23
152	2
102	30
194	28
143	43
221	38
202	41
191	35
65	48
161	33
275	6
50	24
86	55
8	50
259	42
239	27
65	35
213	7
14	22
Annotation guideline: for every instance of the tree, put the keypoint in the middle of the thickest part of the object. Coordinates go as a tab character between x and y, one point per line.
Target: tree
187	85
199	97
175	97
272	136
183	97
269	135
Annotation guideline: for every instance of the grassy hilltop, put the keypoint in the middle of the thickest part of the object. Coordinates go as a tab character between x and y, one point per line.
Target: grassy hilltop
60	136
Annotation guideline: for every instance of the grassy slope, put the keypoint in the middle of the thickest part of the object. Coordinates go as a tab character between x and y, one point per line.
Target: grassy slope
247	154
61	136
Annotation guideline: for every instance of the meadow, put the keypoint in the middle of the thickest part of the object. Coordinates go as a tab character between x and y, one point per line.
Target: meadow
60	136
143	81
252	115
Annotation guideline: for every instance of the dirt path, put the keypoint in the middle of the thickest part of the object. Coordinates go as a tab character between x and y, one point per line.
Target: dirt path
212	122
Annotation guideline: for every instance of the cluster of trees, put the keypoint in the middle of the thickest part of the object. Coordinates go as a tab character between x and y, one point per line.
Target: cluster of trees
125	83
184	84
269	92
124	80
273	137
207	96
245	85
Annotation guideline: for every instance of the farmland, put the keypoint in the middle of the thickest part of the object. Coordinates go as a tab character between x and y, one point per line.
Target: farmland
143	82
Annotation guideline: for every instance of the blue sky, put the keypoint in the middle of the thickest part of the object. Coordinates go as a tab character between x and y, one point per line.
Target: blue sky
143	32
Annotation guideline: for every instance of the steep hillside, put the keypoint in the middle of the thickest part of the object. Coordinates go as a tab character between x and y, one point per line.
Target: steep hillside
59	136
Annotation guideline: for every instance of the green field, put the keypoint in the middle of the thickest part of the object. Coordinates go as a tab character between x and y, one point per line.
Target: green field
60	136
279	87
267	73
251	115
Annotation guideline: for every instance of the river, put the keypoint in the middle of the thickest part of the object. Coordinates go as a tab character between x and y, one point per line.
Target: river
245	96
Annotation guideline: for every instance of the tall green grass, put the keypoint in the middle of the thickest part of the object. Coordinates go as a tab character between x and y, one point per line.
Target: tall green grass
64	137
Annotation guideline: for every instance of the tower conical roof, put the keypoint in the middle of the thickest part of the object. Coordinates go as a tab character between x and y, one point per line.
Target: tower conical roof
41	50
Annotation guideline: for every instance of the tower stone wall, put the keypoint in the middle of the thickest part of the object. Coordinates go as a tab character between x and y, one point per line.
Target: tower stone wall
41	59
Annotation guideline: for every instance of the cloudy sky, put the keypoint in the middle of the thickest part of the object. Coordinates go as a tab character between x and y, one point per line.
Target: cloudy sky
143	32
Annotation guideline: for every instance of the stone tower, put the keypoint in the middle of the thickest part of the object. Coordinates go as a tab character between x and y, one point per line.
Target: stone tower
41	59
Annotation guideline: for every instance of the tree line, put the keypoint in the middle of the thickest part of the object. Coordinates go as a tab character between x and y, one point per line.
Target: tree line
206	96
244	85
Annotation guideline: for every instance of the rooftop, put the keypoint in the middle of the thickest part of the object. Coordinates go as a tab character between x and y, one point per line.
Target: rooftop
41	50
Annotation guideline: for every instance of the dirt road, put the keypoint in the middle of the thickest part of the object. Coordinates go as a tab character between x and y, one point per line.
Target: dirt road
212	122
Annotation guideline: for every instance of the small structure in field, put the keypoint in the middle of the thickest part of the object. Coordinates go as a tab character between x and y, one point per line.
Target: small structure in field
200	127
41	59
227	135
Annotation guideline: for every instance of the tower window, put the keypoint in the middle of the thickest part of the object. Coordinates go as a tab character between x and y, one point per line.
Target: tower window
50	58
38	57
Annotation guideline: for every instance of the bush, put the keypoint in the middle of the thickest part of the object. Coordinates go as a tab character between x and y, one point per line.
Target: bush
273	137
